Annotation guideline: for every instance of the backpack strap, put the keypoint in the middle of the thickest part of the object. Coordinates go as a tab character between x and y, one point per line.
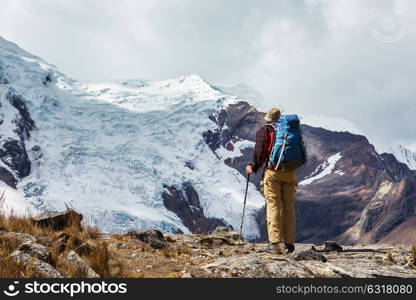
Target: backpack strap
274	139
281	152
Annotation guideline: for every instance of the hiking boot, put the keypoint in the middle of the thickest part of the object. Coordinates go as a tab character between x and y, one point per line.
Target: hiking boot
276	249
290	248
272	248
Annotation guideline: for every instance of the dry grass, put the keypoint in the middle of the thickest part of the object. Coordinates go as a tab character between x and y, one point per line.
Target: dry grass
52	239
99	260
118	256
70	270
12	269
92	231
184	249
413	250
18	223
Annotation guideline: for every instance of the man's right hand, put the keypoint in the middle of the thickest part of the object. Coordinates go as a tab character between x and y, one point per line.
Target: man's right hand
249	169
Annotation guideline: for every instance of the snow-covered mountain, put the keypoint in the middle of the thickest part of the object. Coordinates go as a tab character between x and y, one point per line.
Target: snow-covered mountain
347	191
249	94
110	149
171	155
404	155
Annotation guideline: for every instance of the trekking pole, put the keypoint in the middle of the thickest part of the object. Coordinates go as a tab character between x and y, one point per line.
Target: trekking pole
244	206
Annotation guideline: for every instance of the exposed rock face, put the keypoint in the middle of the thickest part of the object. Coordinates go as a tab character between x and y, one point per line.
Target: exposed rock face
13	154
7	177
237	122
347	192
23	121
12	144
308	261
185	204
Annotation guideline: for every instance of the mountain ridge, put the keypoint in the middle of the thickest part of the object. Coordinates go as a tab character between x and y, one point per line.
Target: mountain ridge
170	155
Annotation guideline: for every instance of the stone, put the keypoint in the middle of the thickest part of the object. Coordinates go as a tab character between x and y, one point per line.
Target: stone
38	266
332	246
221	236
62	242
187	275
213	241
58	220
36	250
152	237
74	258
226	232
16	238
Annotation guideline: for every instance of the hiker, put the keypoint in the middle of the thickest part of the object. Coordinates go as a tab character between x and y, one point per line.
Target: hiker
278	184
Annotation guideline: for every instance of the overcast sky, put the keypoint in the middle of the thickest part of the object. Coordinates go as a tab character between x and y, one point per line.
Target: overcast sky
342	58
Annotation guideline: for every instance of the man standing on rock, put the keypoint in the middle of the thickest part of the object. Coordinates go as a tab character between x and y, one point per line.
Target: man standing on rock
275	138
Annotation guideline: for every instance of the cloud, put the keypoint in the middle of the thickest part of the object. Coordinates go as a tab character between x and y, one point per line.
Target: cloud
346	59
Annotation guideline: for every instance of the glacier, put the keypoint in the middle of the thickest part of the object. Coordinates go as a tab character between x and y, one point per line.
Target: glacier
107	149
404	155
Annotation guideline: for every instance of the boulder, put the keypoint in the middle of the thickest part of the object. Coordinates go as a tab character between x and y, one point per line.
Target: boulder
74	258
332	246
58	220
36	250
310	254
16	238
226	232
152	237
39	267
221	236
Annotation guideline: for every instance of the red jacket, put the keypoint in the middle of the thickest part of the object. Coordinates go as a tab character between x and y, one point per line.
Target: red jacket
264	144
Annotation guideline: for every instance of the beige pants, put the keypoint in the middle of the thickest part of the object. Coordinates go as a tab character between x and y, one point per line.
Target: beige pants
279	189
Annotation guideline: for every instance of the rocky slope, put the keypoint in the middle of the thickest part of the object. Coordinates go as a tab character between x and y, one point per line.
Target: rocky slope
126	154
71	250
171	154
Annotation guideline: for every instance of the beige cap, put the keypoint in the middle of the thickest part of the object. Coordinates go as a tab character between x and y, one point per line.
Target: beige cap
272	115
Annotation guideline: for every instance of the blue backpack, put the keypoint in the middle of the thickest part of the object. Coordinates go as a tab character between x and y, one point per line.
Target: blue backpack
288	151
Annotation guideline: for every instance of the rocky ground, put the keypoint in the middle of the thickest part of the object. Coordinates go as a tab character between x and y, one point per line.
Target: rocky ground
223	254
57	245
